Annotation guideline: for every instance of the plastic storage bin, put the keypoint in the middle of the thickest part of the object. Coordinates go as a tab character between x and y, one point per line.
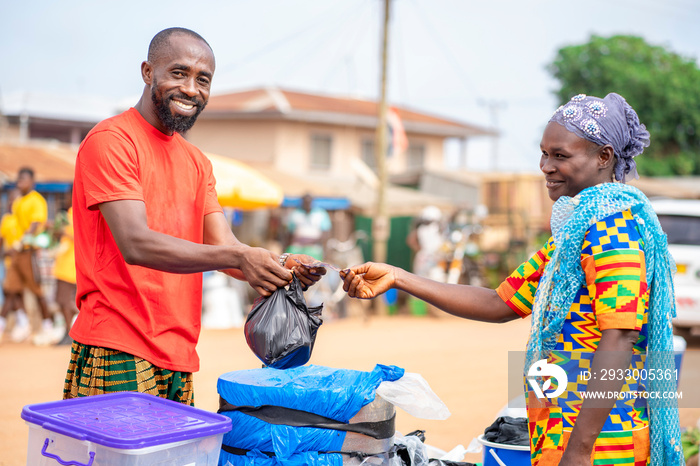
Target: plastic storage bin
500	454
122	429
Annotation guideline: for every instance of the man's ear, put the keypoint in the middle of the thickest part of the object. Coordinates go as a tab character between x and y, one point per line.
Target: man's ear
147	72
606	157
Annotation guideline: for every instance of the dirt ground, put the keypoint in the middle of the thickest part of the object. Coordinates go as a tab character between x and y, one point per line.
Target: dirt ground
464	362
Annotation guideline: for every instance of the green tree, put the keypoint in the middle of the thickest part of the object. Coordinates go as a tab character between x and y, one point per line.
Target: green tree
662	86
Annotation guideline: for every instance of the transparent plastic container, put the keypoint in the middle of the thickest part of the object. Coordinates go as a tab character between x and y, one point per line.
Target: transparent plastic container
123	429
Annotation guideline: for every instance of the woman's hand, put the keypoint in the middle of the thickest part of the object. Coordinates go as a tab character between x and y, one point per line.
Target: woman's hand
368	280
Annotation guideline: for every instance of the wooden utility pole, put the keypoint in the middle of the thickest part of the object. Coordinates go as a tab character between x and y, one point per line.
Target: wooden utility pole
380	225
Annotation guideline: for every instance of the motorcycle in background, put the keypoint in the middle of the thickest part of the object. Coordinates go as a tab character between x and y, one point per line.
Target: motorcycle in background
460	250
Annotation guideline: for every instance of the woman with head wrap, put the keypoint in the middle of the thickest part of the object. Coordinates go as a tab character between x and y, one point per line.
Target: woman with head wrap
600	294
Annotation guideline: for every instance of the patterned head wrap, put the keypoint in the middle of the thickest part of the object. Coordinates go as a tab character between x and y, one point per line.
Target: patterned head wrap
607	121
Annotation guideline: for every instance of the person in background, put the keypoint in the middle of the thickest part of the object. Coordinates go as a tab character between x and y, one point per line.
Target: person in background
308	229
64	272
10	241
425	240
147	222
31	211
599	293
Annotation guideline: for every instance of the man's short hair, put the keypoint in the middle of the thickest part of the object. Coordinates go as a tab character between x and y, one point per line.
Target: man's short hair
161	39
26	171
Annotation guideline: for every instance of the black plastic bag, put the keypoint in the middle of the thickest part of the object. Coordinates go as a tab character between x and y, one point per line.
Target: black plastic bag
411	451
508	430
281	329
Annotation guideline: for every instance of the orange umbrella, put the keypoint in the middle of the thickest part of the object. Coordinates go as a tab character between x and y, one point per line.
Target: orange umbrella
243	187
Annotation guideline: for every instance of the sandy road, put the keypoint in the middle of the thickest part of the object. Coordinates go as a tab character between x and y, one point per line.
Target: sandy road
466	364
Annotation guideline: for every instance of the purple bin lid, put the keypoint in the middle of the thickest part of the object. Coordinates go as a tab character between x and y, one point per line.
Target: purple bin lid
126	420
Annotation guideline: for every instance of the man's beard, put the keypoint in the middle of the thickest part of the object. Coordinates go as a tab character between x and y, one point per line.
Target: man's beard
174	122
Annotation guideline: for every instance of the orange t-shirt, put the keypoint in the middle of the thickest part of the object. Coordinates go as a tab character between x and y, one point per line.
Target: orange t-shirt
145	312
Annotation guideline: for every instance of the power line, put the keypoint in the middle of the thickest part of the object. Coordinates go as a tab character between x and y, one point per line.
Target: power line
274	45
317	39
401	62
341	53
446	49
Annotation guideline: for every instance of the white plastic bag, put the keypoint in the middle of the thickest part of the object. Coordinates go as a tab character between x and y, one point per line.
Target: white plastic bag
456	454
413	394
474	446
415	448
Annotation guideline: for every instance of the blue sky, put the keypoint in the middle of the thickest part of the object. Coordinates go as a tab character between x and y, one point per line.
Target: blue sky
447	57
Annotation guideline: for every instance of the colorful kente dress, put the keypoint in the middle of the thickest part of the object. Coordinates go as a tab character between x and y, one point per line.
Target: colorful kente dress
614	296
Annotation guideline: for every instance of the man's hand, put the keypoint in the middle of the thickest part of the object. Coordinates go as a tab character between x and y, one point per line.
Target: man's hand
368	280
262	270
306	275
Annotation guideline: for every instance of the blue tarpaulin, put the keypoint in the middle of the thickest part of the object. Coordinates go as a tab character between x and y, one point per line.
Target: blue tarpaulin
325	203
255	458
338	394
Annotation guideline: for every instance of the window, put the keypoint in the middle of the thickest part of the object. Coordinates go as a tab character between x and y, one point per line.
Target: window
681	229
321	151
415	156
368	155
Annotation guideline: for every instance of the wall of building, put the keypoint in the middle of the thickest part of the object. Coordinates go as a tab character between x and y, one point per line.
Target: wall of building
434	152
518	205
287	145
37	129
248	141
10	133
293	148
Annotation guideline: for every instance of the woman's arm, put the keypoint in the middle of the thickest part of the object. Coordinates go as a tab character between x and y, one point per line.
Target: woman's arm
614	353
470	302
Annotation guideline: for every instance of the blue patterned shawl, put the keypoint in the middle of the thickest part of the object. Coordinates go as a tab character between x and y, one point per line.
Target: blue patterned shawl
563	277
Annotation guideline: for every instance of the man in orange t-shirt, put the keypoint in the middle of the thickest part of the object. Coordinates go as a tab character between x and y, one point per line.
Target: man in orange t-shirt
147	223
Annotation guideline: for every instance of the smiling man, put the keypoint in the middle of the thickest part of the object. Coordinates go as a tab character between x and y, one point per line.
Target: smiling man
172	56
147	222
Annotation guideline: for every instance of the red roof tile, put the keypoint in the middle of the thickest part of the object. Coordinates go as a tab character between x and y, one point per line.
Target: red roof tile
49	163
284	101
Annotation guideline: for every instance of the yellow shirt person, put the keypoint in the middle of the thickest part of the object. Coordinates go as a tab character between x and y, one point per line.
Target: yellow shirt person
31	212
10	234
30	208
64	267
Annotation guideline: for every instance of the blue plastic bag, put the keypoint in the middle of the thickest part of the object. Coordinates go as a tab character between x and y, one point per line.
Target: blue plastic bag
338	394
